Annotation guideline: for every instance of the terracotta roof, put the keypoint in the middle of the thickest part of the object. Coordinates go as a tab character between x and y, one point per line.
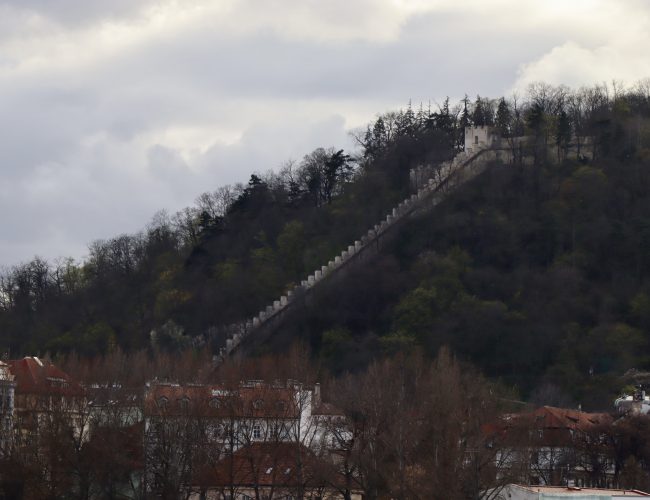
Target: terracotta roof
126	441
549	417
328	409
556	425
260	401
278	464
36	376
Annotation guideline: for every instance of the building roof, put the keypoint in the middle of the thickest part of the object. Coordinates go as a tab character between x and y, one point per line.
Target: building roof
578	492
554	426
243	401
35	376
327	409
278	464
550	417
125	441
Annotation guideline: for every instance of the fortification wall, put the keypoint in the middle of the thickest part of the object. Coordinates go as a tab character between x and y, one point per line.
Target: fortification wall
442	179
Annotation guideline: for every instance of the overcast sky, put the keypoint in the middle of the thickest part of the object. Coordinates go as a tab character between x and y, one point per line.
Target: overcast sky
111	110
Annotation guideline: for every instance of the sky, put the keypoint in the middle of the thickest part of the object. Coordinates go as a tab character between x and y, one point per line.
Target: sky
112	110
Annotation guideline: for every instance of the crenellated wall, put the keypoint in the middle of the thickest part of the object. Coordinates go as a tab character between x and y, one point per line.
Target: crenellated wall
441	180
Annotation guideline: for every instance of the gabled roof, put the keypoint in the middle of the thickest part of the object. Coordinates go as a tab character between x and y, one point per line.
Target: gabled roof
553	426
258	401
36	376
549	417
278	464
327	409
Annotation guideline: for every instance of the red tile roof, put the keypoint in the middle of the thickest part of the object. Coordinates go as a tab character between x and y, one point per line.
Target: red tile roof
549	417
35	376
278	464
327	409
555	426
259	401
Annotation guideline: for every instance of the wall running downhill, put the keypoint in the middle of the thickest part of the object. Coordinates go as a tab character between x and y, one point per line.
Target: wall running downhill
441	180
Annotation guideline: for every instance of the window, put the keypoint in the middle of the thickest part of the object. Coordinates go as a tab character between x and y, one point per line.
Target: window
258	404
215	403
184	404
218	431
257	431
162	402
476	139
281	406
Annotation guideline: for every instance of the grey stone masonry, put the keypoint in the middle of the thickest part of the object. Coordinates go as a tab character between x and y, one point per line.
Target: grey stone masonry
429	192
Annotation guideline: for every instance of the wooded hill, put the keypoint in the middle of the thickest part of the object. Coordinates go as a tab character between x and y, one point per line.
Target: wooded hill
538	274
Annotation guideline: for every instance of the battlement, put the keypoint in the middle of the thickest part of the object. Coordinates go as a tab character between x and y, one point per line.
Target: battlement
439	180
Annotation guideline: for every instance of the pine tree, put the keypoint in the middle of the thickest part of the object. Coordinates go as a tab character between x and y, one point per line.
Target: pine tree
503	118
563	135
478	115
463	123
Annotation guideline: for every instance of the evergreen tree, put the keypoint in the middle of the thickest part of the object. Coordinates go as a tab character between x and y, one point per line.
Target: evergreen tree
479	114
503	118
563	134
463	123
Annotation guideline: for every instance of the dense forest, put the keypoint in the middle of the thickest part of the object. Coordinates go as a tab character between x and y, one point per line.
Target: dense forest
536	272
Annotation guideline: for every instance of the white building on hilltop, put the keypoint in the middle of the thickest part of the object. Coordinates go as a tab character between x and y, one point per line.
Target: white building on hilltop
482	136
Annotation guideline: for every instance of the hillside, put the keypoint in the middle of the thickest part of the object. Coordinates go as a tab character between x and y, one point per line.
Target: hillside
537	273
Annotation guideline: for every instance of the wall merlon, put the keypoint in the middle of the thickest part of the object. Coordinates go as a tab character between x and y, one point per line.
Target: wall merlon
430	184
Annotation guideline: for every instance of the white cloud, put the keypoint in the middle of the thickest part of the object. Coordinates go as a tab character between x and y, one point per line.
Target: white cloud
611	45
111	110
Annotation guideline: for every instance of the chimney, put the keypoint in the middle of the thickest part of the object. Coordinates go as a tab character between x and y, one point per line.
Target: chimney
316	400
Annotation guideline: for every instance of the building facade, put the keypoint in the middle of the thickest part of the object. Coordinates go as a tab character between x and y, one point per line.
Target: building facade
7	398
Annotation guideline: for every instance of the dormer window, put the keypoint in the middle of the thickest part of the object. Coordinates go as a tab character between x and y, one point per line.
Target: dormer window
281	406
184	403
258	404
215	403
163	402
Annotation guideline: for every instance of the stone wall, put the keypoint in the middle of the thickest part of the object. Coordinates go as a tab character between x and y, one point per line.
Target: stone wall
441	180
